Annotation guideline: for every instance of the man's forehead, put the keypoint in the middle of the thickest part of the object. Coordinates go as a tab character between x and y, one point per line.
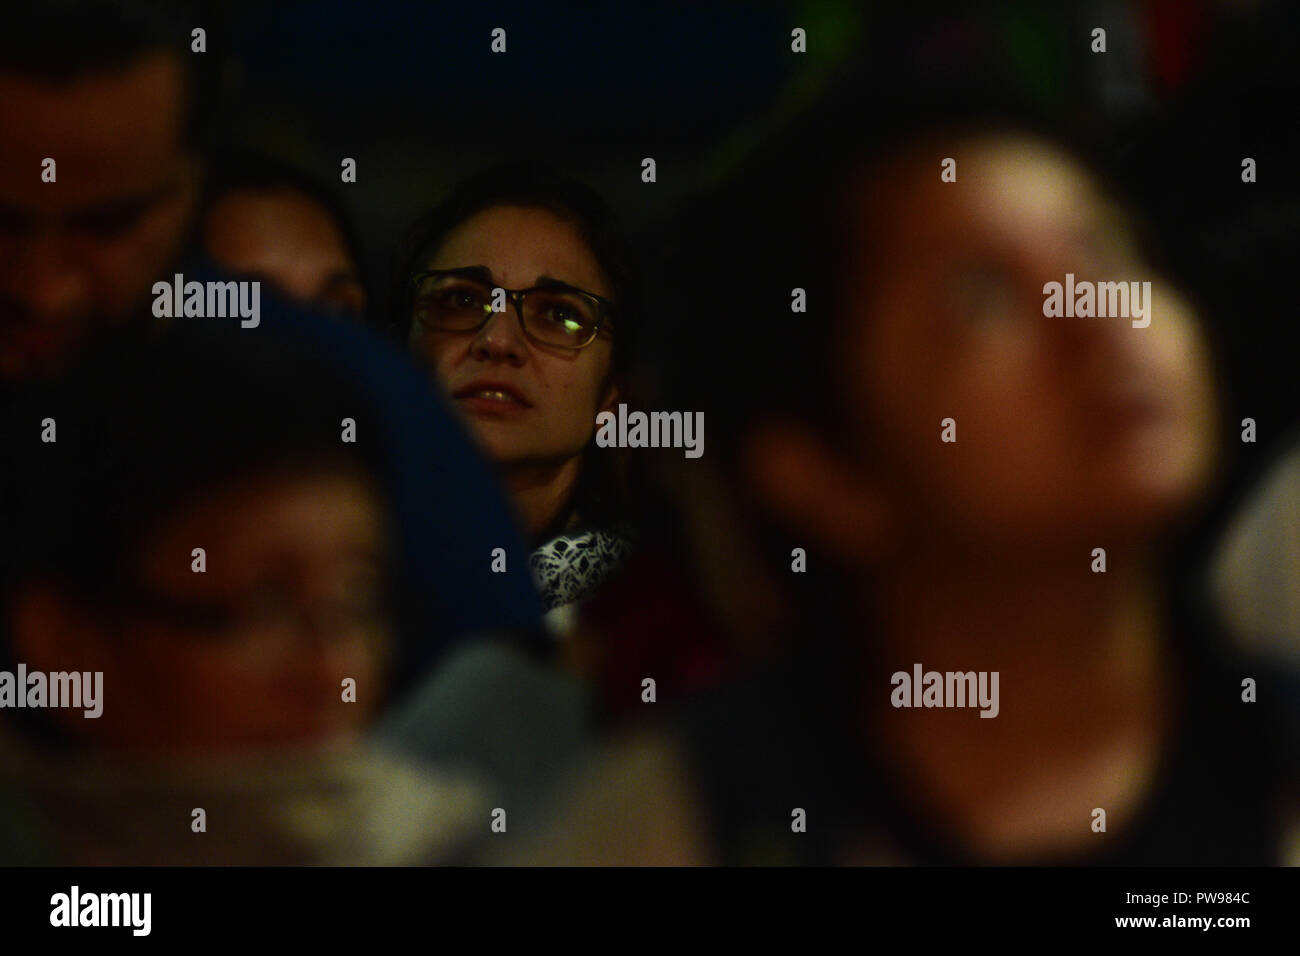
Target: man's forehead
110	133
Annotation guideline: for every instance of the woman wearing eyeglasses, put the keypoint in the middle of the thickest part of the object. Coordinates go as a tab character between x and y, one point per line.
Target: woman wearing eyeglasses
519	295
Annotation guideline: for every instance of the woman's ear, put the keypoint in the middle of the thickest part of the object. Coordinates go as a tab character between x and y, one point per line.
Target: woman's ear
812	491
612	394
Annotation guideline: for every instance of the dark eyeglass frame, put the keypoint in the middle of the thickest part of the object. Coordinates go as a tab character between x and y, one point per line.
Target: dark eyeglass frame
604	307
211	618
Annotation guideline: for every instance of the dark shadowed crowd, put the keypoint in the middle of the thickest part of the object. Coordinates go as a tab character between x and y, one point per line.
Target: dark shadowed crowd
349	579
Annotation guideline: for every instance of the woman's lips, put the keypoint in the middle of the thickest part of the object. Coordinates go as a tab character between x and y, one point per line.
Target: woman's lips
490	398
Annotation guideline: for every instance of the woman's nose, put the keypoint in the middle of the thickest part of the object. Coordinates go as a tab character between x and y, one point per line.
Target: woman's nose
500	338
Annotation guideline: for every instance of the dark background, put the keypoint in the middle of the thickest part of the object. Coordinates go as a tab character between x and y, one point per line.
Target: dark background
412	91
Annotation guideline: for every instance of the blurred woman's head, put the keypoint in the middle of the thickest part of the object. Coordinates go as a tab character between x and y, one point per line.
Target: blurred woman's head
924	401
203	533
1066	428
266	218
528	373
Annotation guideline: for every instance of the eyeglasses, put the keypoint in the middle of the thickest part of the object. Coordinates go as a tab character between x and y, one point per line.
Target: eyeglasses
261	616
554	314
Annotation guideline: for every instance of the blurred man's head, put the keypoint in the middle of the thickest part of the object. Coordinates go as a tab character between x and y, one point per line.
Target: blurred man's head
235	445
110	91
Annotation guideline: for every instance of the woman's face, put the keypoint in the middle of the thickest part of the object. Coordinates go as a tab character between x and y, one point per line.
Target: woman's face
527	403
290	240
1064	426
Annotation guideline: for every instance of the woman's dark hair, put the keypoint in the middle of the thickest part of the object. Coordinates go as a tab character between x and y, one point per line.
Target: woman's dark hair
601	497
143	430
250	171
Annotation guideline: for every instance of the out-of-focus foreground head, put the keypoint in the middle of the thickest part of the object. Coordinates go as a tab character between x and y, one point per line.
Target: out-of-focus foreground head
201	534
1065	427
925	395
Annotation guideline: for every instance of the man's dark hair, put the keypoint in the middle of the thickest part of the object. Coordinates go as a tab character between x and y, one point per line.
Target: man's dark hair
62	41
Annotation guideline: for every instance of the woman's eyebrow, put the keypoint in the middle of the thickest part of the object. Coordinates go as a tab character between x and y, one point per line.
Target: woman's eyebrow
550	282
482	273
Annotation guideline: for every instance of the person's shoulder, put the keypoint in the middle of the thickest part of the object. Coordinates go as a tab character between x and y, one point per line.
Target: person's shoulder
496	709
630	803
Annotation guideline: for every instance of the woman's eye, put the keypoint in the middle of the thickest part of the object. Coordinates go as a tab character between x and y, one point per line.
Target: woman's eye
566	319
463	300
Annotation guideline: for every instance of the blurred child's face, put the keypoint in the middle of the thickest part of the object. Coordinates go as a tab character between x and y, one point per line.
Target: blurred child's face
251	652
1064	426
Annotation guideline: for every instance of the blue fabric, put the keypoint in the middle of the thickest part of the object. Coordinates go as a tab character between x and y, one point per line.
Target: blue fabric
450	510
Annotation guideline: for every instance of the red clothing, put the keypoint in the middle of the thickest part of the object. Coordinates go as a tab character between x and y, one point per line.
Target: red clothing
652	623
